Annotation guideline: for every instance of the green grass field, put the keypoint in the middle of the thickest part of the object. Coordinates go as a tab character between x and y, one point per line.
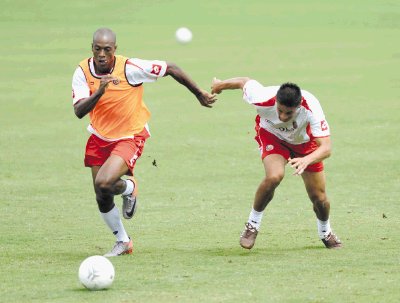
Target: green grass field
194	203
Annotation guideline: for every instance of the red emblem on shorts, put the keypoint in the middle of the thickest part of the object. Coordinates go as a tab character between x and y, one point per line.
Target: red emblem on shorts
156	69
269	147
324	125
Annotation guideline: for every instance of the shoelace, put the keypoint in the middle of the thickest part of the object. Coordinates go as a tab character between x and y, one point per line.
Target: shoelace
118	247
130	200
250	228
334	237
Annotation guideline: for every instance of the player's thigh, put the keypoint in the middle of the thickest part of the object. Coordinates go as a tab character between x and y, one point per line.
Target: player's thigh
95	170
112	170
315	184
274	165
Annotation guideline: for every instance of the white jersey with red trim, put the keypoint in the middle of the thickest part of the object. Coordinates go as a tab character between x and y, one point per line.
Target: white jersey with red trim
307	123
137	71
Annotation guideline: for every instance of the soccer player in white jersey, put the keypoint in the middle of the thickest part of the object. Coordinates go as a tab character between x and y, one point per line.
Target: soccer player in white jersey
291	128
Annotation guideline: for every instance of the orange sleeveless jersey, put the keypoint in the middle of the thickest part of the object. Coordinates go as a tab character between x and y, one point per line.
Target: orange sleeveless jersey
120	112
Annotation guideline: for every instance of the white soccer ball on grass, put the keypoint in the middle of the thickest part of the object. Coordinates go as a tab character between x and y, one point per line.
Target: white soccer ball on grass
183	35
96	273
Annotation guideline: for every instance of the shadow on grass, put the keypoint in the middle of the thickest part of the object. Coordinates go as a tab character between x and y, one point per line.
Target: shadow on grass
85	290
256	251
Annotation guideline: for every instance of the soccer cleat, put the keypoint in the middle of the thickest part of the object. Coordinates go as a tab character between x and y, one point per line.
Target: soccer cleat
332	241
129	202
248	236
121	248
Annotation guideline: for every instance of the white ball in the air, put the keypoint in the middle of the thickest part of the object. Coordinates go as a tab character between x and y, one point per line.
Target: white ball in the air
183	35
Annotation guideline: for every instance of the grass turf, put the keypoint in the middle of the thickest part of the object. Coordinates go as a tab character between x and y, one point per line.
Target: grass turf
194	203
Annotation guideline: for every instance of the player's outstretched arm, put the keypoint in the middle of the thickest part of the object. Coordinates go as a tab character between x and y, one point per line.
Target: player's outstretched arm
204	97
217	85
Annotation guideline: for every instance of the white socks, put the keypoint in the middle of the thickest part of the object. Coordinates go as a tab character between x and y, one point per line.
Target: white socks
324	228
129	187
255	218
113	220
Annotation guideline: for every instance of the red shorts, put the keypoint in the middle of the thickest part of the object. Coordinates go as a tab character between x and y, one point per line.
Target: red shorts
98	150
270	144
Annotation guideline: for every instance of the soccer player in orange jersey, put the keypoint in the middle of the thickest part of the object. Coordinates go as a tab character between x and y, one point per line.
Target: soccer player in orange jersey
109	88
291	128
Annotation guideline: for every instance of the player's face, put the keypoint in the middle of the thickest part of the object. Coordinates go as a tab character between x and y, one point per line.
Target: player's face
285	113
103	54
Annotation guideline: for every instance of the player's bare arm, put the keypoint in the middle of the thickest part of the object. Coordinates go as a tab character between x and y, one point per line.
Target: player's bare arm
322	152
84	106
204	97
217	85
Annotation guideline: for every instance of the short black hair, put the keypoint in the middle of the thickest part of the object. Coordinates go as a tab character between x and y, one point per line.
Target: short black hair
289	94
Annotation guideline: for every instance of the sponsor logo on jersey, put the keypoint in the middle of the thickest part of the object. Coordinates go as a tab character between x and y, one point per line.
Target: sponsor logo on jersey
269	122
324	125
285	129
156	69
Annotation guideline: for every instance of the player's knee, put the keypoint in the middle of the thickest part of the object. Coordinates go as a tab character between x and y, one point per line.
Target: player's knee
318	198
273	180
103	185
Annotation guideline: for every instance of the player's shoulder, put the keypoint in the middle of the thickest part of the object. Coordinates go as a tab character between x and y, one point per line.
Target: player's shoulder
309	98
134	65
254	92
79	73
85	61
310	103
255	85
271	90
121	57
140	63
307	94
